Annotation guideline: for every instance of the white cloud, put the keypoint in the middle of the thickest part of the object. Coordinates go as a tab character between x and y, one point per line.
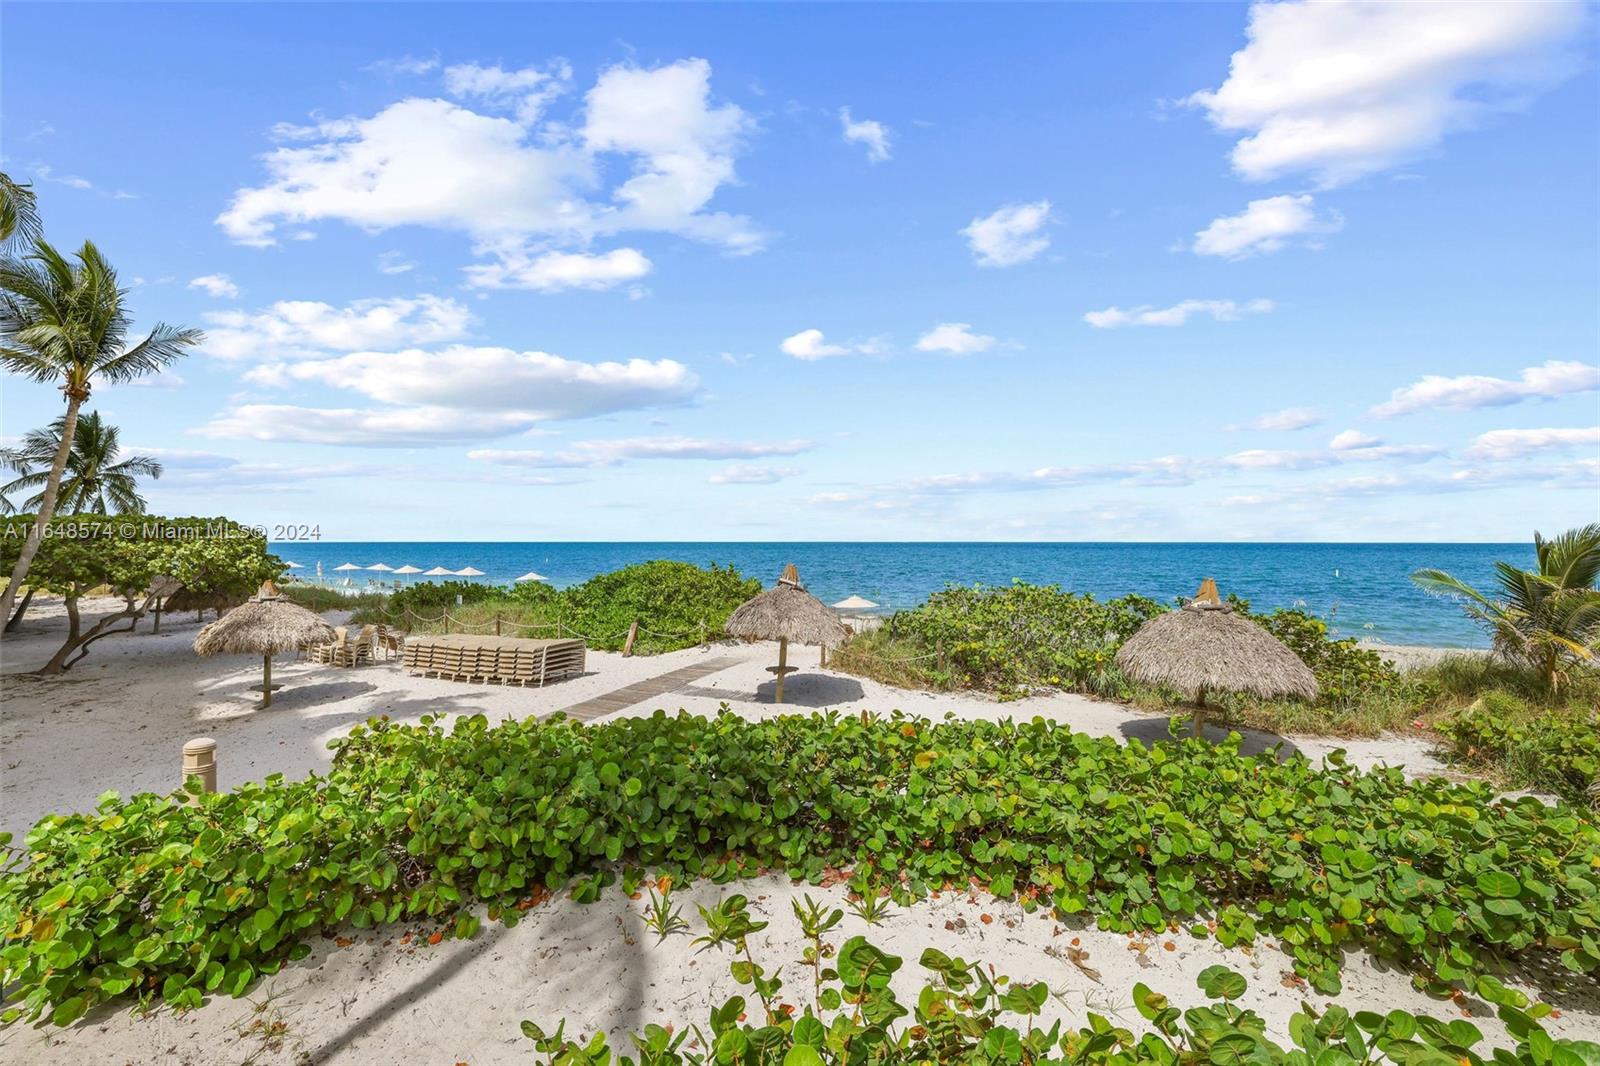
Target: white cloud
1265	226
1343	88
1176	315
1010	235
394	263
809	344
536	385
752	475
397	427
215	285
874	135
1552	379
526	92
1290	418
1515	443
411	65
300	329
955	338
517	187
592	453
555	271
1352	438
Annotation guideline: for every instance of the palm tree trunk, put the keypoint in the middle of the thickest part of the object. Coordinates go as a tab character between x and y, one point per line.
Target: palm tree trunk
47	507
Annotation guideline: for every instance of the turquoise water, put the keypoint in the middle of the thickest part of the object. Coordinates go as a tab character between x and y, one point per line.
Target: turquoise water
1362	589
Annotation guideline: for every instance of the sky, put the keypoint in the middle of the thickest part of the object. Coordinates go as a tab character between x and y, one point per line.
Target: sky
1283	271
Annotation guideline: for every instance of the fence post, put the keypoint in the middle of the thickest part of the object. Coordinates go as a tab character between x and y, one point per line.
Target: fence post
497	623
633	634
941	654
824	660
702	632
200	760
447	619
408	618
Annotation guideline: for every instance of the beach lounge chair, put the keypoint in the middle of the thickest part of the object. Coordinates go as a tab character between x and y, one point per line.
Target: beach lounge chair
388	641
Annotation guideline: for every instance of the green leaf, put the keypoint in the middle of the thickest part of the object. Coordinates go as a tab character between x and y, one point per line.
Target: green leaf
1219	982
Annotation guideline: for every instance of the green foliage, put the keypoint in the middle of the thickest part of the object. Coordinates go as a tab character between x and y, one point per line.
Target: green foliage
962	1014
1009	640
1552	751
1345	672
147	896
319	599
1549	617
98	478
80	552
676	605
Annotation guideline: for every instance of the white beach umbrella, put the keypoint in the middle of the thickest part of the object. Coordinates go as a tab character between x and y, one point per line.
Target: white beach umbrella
854	603
469	571
383	567
438	571
346	566
531	576
294	566
408	569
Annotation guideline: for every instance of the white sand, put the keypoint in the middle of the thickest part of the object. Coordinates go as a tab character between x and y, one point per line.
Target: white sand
118	721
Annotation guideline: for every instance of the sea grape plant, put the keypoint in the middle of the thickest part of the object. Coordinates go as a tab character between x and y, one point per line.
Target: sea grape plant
962	1014
148	898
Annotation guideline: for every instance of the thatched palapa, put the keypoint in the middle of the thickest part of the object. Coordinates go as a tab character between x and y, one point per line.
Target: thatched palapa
264	626
786	612
1205	647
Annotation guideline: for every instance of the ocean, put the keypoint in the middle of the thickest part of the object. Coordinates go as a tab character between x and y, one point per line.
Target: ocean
1362	590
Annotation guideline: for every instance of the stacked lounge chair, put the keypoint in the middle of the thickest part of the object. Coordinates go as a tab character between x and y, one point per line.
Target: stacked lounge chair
502	660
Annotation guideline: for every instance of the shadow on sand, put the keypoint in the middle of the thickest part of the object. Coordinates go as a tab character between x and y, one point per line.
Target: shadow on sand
811	690
1255	742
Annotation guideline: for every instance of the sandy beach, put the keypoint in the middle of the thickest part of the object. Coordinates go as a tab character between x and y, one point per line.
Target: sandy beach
118	720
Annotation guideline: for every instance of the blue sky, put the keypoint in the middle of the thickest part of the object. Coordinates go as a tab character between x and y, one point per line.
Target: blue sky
1077	272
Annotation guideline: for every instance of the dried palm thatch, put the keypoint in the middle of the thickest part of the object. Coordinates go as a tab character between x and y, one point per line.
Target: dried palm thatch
786	612
1205	648
264	626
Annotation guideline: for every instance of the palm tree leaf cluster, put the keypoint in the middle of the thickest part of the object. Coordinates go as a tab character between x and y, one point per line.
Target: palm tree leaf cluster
1548	617
98	478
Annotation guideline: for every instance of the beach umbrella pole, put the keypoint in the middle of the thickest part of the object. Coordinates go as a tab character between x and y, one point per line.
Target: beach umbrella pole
783	667
266	680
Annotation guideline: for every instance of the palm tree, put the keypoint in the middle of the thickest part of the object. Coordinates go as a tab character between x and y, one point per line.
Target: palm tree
19	214
66	323
96	481
1549	617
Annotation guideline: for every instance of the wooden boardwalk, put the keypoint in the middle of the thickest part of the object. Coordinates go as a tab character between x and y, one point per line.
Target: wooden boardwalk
618	699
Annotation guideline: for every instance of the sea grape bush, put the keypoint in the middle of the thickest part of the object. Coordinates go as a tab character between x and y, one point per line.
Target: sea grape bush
964	1015
150	898
1556	750
676	604
1345	671
1013	638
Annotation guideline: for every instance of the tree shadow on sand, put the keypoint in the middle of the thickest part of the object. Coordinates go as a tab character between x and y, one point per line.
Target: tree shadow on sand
1255	742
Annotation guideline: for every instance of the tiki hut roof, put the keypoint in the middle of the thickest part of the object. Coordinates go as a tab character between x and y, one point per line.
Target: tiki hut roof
265	625
786	611
1205	647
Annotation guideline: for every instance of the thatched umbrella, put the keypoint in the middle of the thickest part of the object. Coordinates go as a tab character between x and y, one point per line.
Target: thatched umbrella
1205	647
783	613
263	626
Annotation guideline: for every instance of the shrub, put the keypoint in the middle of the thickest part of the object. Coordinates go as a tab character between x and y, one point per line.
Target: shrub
1011	639
154	898
966	1014
1345	672
677	605
1555	751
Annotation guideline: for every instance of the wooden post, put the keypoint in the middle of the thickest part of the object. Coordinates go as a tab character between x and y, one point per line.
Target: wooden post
633	635
702	632
497	623
941	655
408	615
266	680
823	658
200	760
157	629
783	664
1200	713
447	620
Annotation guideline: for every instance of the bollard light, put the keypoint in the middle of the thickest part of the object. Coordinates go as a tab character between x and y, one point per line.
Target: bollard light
200	760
